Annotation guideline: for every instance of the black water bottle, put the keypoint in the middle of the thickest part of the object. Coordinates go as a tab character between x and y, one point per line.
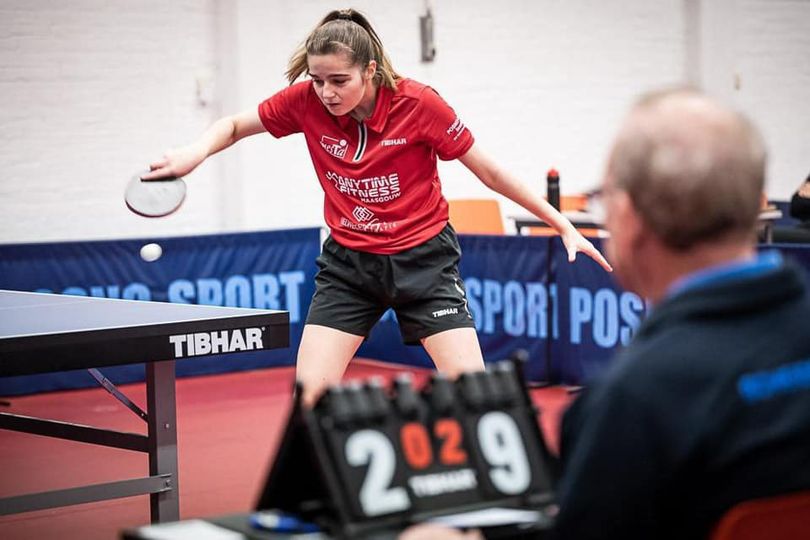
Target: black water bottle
553	188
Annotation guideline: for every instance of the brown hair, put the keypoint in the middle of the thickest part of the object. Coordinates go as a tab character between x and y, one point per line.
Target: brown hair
347	31
694	169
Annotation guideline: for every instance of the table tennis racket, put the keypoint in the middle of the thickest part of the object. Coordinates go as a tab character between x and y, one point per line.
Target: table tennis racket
155	198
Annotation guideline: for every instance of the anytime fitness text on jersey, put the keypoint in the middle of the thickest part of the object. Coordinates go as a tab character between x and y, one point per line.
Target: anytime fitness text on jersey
374	189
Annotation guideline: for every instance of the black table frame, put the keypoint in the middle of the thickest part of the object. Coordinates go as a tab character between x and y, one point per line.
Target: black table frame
64	351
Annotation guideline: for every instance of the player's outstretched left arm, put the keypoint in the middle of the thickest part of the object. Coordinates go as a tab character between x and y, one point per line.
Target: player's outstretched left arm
500	181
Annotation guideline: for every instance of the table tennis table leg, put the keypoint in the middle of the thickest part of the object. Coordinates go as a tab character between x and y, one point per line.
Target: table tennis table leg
162	410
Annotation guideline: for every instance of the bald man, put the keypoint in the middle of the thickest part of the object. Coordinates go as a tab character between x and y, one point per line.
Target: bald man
710	403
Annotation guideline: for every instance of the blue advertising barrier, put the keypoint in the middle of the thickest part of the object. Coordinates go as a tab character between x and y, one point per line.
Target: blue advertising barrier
273	270
587	315
520	290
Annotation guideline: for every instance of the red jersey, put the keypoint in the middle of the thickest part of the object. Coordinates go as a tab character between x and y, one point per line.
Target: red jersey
379	176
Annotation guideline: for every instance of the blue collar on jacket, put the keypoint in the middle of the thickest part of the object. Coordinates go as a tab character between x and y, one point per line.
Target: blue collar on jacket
762	263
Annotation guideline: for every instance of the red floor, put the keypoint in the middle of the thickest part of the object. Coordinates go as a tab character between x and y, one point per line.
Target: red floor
229	426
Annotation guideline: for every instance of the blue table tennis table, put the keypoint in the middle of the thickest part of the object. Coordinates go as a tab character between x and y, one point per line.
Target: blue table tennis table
42	333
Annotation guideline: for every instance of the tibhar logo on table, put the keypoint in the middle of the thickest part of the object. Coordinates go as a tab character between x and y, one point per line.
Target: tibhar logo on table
217	342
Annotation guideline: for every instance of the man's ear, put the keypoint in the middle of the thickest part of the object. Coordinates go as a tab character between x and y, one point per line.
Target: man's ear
634	229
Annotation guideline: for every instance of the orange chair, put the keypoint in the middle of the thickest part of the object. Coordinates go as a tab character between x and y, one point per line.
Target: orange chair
785	517
568	203
476	216
573	203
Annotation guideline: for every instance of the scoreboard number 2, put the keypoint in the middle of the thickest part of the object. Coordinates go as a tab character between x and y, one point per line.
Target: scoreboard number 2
498	438
377	496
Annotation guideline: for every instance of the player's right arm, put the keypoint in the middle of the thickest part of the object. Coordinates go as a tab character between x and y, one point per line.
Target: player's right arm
219	136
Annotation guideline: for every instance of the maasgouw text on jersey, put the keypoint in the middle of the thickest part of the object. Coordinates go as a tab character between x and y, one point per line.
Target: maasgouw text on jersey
217	342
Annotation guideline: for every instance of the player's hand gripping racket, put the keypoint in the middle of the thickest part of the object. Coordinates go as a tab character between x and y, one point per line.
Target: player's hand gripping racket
155	198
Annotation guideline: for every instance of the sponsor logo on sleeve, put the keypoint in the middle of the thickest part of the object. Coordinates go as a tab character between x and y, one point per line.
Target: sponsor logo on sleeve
456	128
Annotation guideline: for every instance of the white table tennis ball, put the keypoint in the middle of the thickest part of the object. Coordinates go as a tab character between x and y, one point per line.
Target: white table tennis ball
151	252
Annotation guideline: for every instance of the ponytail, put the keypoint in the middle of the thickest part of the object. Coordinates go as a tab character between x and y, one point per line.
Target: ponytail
347	31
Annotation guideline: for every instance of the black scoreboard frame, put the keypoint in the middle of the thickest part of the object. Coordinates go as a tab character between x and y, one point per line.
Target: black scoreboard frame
320	460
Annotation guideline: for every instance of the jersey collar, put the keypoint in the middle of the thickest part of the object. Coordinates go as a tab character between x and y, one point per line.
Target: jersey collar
378	119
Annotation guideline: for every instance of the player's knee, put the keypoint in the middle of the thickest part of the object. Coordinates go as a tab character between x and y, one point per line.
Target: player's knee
309	396
313	383
454	366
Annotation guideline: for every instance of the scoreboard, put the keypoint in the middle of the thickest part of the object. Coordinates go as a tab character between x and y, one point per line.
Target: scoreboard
368	457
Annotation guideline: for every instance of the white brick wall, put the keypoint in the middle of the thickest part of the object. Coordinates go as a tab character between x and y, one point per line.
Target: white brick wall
92	90
773	68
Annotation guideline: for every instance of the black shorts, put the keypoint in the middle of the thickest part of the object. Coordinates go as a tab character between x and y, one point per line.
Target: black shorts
422	285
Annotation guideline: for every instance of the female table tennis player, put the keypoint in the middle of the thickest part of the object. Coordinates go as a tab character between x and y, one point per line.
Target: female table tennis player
373	137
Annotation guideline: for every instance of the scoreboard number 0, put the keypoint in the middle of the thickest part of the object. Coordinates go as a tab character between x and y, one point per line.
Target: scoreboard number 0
498	437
